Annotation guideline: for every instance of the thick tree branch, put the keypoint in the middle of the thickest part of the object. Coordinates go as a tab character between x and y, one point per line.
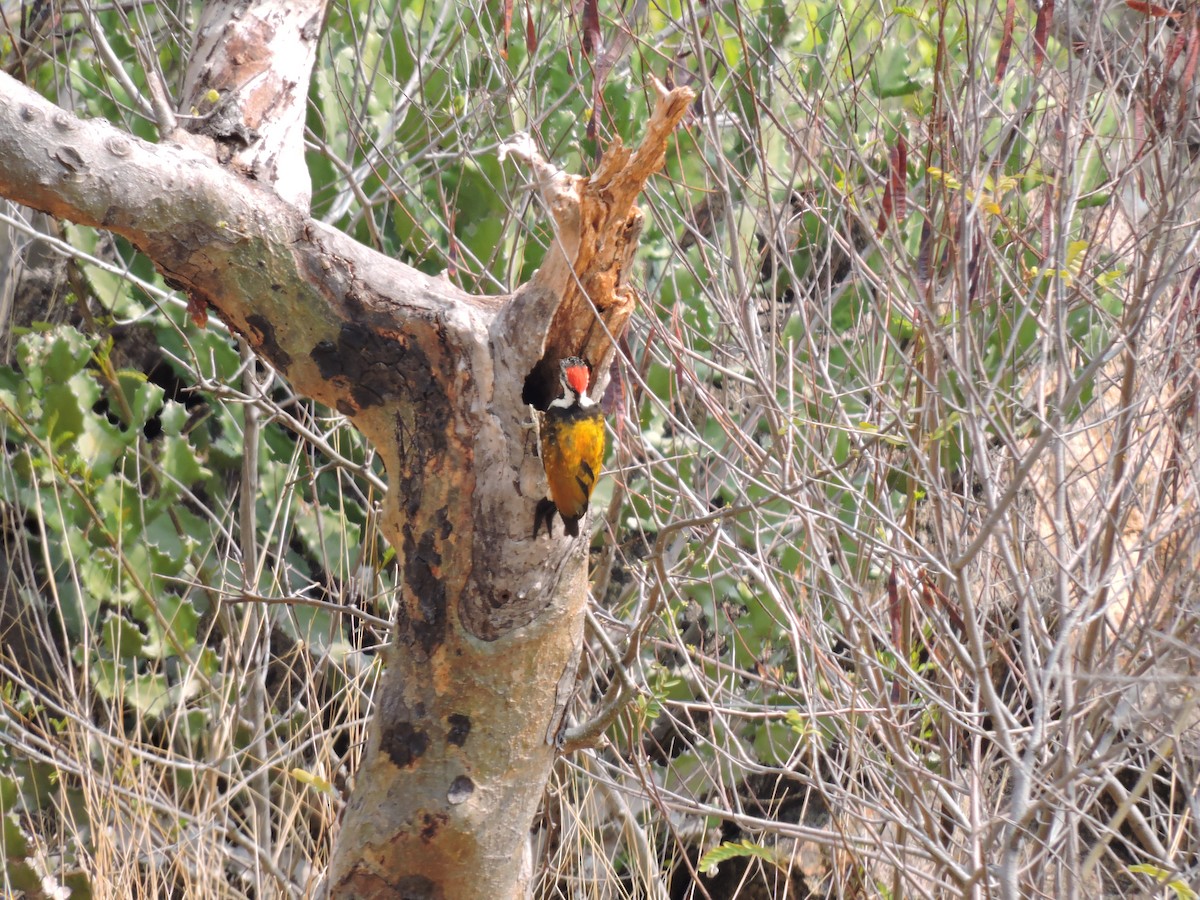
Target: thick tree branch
289	284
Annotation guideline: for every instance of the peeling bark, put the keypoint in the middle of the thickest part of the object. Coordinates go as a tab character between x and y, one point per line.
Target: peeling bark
489	626
246	87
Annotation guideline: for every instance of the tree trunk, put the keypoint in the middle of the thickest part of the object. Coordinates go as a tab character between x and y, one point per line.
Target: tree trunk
488	631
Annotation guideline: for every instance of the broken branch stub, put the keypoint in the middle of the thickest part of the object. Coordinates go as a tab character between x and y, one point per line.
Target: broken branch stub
580	299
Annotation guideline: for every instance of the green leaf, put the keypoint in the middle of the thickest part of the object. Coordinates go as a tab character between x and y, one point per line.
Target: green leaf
151	694
173	417
97	579
316	781
172	630
115	500
742	849
16	845
122	637
11	385
57	355
179	461
62	412
193	726
892	81
146	399
802	725
167	547
107	678
10	790
101	444
112	290
1162	876
326	537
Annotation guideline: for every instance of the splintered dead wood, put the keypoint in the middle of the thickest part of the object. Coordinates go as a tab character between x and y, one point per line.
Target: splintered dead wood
598	224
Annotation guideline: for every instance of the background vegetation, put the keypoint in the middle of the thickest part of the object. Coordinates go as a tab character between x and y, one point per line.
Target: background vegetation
894	566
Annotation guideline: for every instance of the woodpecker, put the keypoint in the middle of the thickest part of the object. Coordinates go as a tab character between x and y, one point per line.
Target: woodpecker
572	450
